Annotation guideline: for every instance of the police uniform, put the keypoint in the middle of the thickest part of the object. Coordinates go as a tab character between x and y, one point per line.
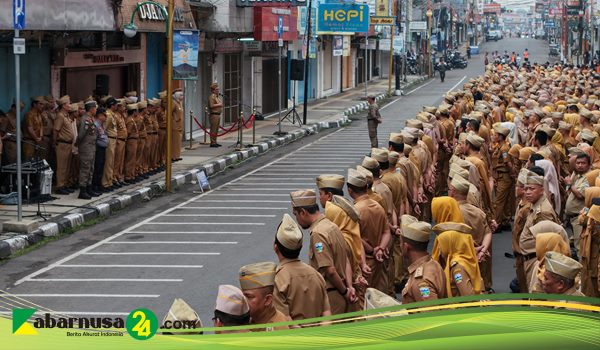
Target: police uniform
300	290
258	276
131	146
426	279
86	144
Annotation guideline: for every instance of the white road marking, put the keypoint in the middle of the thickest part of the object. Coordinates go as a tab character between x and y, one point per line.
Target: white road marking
105	280
208	223
191	200
408	93
128	266
225	215
189	232
231	188
239	201
84	295
236	208
171	242
151	253
457	84
248	194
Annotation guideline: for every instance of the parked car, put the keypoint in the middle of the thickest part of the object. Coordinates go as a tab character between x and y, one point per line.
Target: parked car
493	35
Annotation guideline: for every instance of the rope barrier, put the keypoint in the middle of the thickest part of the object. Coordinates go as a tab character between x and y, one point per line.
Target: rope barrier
234	127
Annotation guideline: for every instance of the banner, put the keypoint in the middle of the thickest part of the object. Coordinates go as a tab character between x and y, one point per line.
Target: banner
185	55
342	18
382	8
338	45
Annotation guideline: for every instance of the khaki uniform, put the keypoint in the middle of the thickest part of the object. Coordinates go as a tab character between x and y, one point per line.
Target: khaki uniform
9	125
476	219
63	125
520	218
426	281
574	205
162	136
177	130
372	123
328	248
443	157
34	120
300	290
590	260
461	284
118	175
486	193
272	315
131	148
214	116
539	211
504	182
86	144
149	146
154	152
48	125
109	159
141	144
373	223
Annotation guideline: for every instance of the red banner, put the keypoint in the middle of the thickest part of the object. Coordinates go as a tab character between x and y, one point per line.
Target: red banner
266	19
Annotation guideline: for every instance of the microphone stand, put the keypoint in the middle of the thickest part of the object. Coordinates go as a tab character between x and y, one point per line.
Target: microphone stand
38	148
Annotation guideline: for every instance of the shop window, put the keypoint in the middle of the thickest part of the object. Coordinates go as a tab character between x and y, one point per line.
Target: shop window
232	88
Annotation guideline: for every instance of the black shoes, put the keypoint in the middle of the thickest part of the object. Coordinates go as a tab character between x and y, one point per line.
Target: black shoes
62	191
83	194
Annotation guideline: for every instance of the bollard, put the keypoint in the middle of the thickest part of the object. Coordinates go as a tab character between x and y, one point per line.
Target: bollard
204	122
241	130
253	126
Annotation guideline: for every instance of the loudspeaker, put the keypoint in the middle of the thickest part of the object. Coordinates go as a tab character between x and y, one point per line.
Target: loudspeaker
102	84
297	70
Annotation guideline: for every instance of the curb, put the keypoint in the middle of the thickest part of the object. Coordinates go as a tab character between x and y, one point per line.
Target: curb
11	243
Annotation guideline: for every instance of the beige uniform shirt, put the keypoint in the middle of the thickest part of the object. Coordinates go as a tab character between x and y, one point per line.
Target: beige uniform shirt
111	124
461	284
350	230
475	218
426	281
574	204
299	290
64	126
373	221
327	248
384	191
272	315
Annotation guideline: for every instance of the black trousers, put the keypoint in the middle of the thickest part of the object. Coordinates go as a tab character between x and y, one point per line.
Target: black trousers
99	166
442	75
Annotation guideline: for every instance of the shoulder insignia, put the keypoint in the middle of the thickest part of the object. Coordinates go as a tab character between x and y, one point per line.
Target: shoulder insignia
425	292
319	247
458	278
454	263
504	154
419	272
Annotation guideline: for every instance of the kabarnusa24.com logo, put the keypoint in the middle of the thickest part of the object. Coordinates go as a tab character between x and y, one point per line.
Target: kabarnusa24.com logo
141	324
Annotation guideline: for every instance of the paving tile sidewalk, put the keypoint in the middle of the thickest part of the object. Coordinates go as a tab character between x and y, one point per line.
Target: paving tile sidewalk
68	212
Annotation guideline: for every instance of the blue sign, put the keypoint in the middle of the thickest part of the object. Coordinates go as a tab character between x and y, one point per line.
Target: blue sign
342	18
19	14
549	24
185	54
280	27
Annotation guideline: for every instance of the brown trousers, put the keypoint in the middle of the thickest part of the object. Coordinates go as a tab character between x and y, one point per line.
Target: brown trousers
162	146
486	271
28	150
504	187
63	161
378	278
10	150
176	144
119	160
337	302
139	162
372	126
146	156
109	163
130	159
400	270
215	122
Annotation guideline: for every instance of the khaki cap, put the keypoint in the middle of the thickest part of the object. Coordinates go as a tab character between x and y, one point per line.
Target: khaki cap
562	265
460	184
162	94
562	125
452	226
430	109
370	163
556	115
375	299
347	207
231	300
366	173
154	102
443	109
289	234
132	106
586	114
355	178
73	107
534	179
576	151
414	123
380	154
257	275
90	102
396	138
393	157
526	152
501	129
181	311
303	198
522	177
547	130
66	99
457	170
475	140
514	150
588	135
407	137
424	117
407	149
414	229
39	99
142	104
131	94
331	181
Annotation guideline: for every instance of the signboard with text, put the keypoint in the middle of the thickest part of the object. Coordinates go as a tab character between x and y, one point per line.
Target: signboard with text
18	14
275	3
382	7
342	18
384	21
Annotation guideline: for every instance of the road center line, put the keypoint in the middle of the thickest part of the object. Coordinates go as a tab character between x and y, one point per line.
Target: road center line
189	233
457	84
83	295
223	215
236	208
104	280
143	266
151	253
169	242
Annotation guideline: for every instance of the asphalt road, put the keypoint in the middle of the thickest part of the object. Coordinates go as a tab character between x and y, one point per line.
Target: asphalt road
184	244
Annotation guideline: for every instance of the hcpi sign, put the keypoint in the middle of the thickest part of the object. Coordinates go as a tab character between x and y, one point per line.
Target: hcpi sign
342	18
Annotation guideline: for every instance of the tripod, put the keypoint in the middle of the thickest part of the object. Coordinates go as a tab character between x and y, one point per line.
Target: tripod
38	199
292	115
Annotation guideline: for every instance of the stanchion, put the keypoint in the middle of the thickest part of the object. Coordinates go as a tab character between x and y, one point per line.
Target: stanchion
191	139
240	143
253	119
204	123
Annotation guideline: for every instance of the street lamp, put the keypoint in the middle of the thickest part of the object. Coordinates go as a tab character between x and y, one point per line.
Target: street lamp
130	30
429	14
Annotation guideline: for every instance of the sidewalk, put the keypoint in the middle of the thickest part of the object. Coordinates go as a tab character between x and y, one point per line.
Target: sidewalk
69	212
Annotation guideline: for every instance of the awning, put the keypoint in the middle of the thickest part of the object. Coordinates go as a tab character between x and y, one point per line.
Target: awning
63	15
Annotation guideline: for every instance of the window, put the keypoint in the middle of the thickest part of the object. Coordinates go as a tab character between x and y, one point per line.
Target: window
232	88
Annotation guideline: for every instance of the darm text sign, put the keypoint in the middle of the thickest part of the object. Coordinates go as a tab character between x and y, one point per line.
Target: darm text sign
342	18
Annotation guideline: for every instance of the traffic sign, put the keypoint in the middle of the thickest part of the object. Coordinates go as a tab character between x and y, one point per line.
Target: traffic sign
280	27
18	14
19	46
382	20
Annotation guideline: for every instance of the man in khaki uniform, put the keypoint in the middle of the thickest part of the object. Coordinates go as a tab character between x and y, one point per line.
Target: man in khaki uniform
300	290
48	116
471	147
540	210
373	120
445	147
150	133
343	214
374	230
141	144
426	280
387	177
257	283
131	146
231	309
63	144
328	250
590	252
177	125
9	126
575	186
120	115
215	109
560	274
34	132
161	115
111	132
154	152
504	182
